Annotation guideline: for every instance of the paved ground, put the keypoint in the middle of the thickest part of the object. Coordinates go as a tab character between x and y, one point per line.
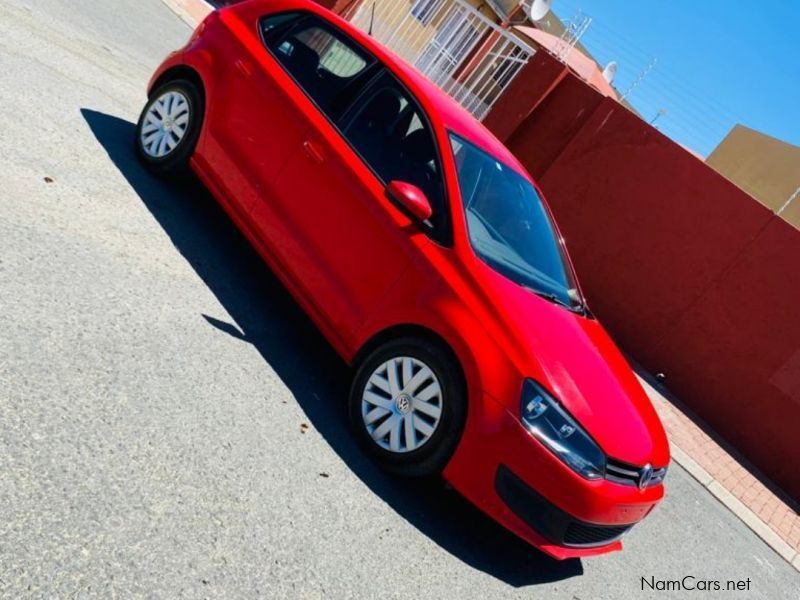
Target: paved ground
725	472
154	379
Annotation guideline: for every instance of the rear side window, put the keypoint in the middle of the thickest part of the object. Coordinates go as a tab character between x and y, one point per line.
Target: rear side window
390	133
323	62
271	25
335	58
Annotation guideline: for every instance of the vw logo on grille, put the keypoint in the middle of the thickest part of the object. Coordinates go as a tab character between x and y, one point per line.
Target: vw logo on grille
645	476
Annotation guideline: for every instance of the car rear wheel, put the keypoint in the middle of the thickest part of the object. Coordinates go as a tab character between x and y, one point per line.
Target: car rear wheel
168	128
408	406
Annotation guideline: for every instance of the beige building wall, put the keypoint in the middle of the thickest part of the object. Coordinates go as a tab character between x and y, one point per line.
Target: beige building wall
391	16
766	168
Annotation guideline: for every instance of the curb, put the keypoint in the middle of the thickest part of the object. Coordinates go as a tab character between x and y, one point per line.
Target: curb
733	504
194	11
747	516
190	12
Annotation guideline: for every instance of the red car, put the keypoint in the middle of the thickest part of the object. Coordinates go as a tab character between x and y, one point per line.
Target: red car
428	258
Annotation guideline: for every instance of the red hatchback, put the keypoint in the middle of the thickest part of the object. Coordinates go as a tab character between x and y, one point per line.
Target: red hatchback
427	256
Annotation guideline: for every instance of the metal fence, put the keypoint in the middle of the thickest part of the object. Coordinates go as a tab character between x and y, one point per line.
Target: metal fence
453	44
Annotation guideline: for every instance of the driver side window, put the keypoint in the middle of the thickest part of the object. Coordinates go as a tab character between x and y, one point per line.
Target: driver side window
388	130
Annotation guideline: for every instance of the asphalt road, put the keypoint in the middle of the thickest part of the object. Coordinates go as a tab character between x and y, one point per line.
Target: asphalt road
155	381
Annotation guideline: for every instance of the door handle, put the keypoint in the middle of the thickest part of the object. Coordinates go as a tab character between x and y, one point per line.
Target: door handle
244	67
313	151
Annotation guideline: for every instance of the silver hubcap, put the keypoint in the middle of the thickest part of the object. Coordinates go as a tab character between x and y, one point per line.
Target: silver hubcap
165	124
402	404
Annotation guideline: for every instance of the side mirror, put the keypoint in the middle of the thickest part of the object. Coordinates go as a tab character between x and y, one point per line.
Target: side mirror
410	199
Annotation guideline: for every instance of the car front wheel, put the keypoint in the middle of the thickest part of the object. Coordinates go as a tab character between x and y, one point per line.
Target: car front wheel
408	406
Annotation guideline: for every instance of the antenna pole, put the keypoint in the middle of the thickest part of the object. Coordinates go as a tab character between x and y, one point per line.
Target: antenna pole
571	35
661	112
639	79
371	19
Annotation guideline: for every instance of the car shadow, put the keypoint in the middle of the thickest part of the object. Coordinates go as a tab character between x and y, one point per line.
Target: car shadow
266	316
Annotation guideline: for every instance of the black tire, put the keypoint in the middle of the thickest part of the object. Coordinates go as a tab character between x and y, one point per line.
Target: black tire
176	163
432	457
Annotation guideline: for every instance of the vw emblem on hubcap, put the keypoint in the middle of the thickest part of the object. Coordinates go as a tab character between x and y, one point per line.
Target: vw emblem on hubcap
645	476
403	403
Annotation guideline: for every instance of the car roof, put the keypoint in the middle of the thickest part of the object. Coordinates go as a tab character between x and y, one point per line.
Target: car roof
453	116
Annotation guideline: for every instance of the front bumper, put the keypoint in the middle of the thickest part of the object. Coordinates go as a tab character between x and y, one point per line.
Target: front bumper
508	474
550	521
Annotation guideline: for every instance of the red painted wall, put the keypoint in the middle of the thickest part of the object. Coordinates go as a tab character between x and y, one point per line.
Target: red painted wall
691	275
741	344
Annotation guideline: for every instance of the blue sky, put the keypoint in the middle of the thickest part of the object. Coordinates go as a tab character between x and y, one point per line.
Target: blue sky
717	63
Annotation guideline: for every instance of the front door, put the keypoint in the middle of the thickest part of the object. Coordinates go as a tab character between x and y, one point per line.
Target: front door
340	239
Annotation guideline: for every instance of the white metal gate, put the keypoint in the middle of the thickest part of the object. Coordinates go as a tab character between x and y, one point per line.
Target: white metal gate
453	44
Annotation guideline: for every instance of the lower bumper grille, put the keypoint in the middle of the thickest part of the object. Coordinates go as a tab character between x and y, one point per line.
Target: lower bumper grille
547	519
583	534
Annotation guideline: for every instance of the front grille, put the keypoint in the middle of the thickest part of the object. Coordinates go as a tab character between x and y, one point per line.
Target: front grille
585	534
547	519
626	474
658	476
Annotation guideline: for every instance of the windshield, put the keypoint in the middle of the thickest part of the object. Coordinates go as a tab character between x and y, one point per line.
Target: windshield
509	226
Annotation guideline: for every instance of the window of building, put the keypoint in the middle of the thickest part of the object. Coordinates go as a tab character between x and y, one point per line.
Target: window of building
509	65
424	10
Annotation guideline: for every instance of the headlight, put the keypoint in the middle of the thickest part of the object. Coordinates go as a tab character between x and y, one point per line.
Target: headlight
555	428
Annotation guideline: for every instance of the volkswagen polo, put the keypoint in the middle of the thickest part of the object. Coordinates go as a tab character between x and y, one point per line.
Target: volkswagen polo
429	259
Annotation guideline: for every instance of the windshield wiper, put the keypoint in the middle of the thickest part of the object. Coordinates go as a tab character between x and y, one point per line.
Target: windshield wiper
580	308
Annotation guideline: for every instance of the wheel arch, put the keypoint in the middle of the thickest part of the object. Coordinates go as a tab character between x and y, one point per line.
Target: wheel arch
482	358
410	330
181	71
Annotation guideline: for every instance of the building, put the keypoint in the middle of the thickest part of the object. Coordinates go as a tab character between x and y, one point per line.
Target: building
472	49
765	167
460	45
